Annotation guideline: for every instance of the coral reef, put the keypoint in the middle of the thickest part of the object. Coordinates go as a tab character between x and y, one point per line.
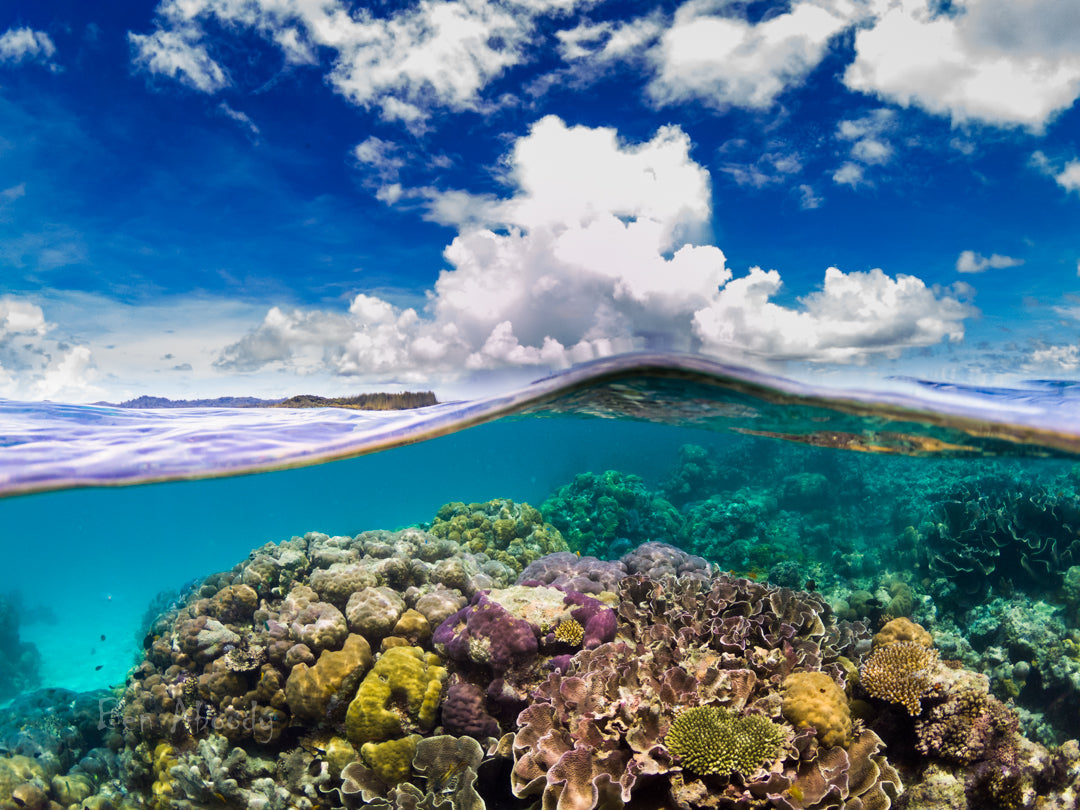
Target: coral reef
900	673
1000	529
814	700
712	740
463	667
607	515
513	534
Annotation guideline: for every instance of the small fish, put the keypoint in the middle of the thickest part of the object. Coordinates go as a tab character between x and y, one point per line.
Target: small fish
102	636
99	666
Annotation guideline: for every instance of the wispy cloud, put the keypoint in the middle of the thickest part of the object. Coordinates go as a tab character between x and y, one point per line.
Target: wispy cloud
971	262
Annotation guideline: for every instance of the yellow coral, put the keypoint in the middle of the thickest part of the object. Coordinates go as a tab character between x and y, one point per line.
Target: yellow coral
400	694
391	760
813	699
570	632
161	790
309	689
712	740
899	673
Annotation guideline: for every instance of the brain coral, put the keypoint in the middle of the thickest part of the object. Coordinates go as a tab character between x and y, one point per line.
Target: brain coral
712	740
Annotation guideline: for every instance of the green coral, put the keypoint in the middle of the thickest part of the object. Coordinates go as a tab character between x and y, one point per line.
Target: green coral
399	695
511	533
606	515
712	740
391	760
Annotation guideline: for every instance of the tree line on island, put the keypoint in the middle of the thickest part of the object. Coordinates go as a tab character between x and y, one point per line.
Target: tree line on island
381	401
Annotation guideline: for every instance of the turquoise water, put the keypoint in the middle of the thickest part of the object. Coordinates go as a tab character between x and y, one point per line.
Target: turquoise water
869	509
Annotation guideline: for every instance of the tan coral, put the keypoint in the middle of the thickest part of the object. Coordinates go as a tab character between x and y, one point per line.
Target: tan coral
902	630
309	689
899	673
814	700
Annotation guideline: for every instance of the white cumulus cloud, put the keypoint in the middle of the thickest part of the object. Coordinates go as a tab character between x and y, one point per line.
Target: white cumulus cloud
1002	62
853	316
401	60
21	44
971	262
601	247
35	366
723	60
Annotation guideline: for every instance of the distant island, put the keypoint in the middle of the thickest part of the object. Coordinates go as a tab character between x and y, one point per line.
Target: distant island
361	402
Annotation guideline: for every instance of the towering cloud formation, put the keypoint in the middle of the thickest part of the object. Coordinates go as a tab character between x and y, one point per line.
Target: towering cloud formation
599	249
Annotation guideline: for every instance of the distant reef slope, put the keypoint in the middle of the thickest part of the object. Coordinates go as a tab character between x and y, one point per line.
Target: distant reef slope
364	402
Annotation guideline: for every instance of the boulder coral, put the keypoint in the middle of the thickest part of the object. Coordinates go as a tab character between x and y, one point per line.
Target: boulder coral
814	700
510	533
399	695
309	690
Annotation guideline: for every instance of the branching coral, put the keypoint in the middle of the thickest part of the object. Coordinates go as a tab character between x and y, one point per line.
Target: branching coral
712	740
510	533
899	673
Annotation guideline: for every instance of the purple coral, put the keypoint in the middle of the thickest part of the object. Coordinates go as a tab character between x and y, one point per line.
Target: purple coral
464	713
569	572
656	560
596	618
484	632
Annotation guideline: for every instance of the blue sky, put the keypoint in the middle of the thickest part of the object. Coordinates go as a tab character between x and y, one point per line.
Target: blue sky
267	197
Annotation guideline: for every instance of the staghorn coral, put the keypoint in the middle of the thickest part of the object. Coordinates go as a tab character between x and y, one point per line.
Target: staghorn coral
712	740
899	673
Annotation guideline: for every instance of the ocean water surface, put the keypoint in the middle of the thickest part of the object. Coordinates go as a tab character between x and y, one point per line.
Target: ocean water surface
150	632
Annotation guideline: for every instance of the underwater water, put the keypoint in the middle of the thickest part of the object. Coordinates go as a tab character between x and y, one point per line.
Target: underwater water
590	593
